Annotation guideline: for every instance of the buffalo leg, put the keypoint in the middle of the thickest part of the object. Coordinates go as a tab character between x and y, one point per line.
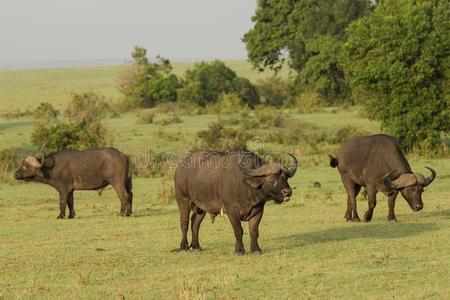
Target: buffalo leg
183	206
352	191
123	195
196	220
253	227
70	205
372	196
391	204
235	221
130	197
63	195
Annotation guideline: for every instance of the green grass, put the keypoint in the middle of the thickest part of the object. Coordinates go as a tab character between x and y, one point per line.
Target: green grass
310	251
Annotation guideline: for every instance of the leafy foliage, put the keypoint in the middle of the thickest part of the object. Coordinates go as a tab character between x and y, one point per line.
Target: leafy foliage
45	112
82	129
311	33
205	82
145	83
399	62
275	91
220	138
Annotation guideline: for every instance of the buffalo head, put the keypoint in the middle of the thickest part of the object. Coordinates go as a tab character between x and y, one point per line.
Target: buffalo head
272	179
410	186
31	167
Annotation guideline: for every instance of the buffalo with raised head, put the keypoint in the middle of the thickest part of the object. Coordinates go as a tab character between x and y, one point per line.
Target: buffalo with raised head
377	163
70	170
237	183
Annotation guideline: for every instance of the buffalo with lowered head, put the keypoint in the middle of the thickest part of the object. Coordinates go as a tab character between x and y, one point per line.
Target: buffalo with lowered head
237	183
377	163
92	169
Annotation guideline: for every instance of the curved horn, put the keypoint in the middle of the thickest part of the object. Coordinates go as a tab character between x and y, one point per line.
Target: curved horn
403	181
430	178
293	168
261	171
34	162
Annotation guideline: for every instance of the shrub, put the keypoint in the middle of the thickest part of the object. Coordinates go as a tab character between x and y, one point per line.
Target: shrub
269	116
219	138
275	91
345	133
82	129
308	101
45	112
230	103
153	164
9	160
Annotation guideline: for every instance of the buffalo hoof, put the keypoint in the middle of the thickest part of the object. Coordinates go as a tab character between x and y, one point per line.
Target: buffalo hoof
197	249
392	220
240	252
367	218
256	252
60	217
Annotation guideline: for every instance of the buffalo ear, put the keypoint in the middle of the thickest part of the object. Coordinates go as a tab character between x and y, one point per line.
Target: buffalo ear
254	182
49	163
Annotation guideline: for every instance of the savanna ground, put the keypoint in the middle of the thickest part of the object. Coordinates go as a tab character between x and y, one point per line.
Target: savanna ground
310	251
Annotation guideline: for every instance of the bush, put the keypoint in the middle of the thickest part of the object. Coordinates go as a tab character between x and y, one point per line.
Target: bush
9	160
207	81
270	116
153	164
275	91
82	129
45	112
230	103
219	138
345	133
308	101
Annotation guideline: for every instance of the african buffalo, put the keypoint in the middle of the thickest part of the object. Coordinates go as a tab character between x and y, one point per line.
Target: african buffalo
237	183
92	169
377	163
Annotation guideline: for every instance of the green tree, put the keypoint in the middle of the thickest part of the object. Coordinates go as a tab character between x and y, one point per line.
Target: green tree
207	81
399	62
308	32
145	83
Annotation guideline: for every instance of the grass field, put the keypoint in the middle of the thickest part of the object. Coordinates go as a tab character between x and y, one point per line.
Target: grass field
25	89
310	251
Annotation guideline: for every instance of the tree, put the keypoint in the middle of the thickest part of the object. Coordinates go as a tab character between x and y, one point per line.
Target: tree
310	33
207	81
145	83
400	57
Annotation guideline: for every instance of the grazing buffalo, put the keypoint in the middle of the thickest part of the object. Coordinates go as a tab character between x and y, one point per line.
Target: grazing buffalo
237	183
93	169
377	163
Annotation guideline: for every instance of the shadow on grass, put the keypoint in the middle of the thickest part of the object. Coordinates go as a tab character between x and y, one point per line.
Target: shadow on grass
360	231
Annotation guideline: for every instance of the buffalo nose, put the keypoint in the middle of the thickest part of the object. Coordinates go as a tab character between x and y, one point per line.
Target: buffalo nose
16	176
418	207
286	192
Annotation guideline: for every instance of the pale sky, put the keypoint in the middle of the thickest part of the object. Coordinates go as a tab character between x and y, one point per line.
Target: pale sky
63	30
